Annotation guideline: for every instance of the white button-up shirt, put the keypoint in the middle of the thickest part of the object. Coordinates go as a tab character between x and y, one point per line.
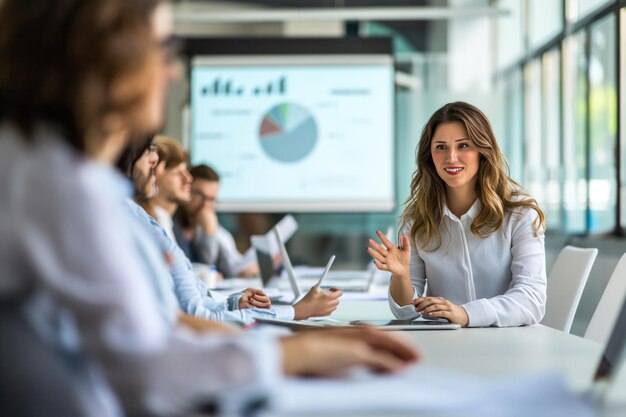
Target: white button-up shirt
500	280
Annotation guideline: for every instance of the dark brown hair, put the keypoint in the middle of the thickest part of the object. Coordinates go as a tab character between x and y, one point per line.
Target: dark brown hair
496	190
59	62
204	172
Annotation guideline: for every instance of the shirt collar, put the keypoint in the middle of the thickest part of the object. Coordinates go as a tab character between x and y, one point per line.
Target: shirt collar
472	213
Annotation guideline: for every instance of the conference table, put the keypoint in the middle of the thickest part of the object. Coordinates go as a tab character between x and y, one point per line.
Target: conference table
495	353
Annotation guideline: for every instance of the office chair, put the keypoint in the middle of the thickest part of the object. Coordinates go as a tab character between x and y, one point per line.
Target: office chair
608	308
565	286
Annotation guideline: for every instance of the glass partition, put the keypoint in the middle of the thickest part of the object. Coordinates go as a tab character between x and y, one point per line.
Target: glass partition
603	128
534	155
574	128
552	137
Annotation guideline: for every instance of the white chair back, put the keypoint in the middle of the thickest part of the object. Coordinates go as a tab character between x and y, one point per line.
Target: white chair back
603	319
565	286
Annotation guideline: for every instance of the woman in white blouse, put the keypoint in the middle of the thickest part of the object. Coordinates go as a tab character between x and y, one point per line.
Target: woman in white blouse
474	236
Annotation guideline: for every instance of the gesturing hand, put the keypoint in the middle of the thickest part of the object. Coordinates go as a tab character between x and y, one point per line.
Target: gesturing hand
389	257
254	298
439	307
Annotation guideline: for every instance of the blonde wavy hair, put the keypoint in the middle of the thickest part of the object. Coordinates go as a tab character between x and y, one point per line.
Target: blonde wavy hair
496	190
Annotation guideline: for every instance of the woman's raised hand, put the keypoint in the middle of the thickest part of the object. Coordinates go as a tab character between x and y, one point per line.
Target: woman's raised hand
389	257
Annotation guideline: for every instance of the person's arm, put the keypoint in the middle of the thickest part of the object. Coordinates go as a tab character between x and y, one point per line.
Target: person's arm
524	301
334	352
193	297
84	253
408	277
201	325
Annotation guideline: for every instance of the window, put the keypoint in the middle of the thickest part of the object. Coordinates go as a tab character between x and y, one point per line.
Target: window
510	37
603	125
534	172
545	21
578	9
511	142
574	128
552	138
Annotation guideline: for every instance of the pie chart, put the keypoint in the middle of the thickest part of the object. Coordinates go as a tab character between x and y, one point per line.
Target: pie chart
288	132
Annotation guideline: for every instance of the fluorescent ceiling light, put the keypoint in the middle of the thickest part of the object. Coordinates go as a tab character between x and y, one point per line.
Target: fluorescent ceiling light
182	14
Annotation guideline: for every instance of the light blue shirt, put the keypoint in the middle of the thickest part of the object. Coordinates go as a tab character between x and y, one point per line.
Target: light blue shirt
193	296
153	257
66	236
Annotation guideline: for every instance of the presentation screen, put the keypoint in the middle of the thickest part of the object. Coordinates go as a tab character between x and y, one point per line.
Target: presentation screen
296	133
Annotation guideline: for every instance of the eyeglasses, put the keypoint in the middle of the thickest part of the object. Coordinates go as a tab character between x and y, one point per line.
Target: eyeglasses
202	196
172	47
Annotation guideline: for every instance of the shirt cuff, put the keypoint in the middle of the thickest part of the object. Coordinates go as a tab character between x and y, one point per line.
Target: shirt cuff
480	313
233	301
284	312
406	312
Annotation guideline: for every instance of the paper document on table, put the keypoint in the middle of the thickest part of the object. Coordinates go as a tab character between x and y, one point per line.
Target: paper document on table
428	390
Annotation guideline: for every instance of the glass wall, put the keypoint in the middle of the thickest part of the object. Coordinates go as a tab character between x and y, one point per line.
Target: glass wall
512	140
577	9
571	113
533	136
510	41
545	21
603	125
574	128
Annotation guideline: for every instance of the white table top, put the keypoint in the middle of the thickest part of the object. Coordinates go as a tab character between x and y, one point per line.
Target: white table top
497	352
494	351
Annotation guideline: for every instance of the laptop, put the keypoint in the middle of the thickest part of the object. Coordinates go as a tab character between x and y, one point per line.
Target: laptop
267	268
266	248
358	281
345	280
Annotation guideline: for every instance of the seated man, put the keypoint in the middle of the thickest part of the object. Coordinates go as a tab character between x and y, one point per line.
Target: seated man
192	295
199	233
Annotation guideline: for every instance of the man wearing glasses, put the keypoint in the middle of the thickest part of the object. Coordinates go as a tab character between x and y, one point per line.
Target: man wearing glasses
199	233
